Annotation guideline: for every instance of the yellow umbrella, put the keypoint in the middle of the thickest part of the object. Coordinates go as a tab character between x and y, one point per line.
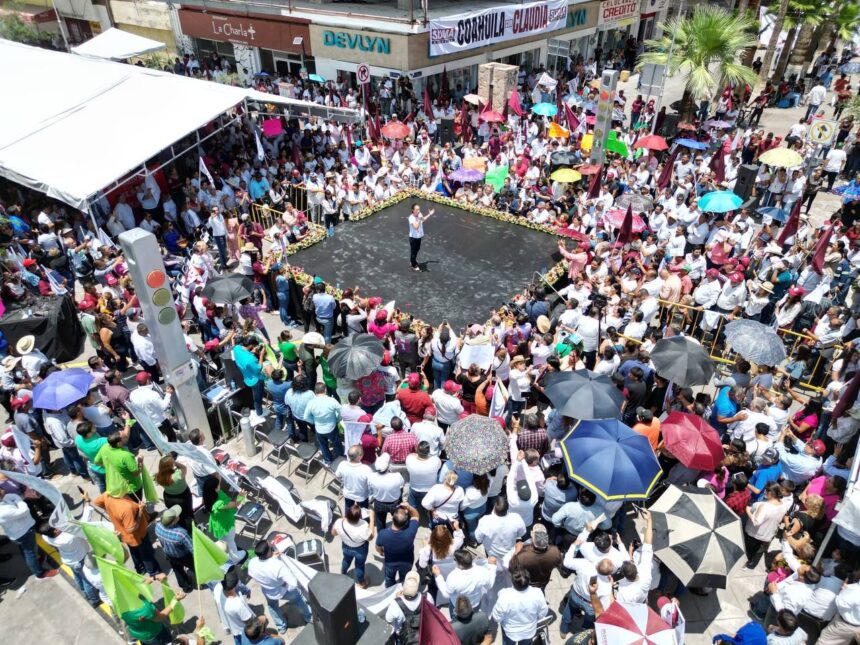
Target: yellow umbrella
475	163
585	144
781	158
557	132
565	175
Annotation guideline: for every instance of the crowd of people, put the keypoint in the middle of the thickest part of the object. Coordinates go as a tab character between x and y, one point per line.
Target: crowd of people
494	539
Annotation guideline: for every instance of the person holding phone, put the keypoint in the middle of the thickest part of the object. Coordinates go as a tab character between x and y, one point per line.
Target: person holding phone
416	233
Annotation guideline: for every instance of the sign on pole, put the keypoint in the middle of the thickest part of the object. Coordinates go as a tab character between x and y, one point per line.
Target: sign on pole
363	73
651	79
822	131
603	122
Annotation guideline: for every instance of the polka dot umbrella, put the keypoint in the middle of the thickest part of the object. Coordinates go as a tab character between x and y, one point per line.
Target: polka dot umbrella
476	444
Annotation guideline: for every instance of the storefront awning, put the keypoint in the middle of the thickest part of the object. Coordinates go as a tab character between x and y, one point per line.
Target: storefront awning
116	44
30	14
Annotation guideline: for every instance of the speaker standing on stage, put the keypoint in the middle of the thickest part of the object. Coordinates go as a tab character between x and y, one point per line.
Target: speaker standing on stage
416	233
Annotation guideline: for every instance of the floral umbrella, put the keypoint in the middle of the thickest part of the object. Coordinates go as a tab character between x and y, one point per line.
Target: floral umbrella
476	444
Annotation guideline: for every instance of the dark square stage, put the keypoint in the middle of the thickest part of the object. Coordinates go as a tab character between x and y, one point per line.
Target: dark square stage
472	263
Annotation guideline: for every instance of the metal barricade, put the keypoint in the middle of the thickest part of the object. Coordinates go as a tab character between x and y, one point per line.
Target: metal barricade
265	215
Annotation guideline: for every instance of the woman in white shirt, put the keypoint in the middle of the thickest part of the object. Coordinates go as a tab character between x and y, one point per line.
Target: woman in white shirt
443	350
763	519
355	533
443	500
474	505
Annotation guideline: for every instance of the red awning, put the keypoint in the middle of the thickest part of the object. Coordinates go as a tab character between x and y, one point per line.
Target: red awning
31	14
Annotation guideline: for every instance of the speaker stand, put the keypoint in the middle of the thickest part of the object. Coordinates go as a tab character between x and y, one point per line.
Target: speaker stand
373	631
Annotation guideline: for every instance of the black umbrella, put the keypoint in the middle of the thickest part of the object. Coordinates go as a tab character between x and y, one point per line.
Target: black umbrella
230	287
756	342
584	394
682	361
356	356
563	158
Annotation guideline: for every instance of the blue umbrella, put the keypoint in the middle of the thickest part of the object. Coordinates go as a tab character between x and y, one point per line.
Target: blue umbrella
544	109
316	78
719	201
850	68
692	143
610	459
849	192
61	389
776	214
466	174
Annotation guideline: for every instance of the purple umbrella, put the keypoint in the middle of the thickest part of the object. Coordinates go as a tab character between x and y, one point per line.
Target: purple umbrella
466	174
61	389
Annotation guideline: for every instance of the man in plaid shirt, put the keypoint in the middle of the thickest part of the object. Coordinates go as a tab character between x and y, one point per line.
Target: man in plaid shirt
400	443
532	435
177	546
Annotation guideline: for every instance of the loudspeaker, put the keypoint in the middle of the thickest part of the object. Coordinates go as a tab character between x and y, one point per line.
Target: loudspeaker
746	181
669	127
446	131
332	600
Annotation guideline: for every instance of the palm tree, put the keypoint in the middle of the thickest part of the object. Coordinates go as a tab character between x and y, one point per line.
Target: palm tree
707	47
802	15
764	72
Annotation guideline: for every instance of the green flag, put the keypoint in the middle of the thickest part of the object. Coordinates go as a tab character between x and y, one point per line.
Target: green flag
126	589
149	492
178	613
496	177
208	557
103	541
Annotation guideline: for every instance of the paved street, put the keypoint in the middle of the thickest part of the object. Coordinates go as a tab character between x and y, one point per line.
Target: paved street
24	610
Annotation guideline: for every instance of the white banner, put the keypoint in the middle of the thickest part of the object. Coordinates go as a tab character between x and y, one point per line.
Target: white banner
621	11
465	31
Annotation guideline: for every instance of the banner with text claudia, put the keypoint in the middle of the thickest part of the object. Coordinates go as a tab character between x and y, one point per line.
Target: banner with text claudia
464	31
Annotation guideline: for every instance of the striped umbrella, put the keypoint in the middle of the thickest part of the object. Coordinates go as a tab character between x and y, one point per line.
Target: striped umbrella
632	624
696	536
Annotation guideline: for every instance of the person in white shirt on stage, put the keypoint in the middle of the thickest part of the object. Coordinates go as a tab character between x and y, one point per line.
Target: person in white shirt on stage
416	233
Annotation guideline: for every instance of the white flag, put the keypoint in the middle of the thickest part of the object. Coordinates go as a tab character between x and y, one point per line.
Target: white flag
260	152
500	399
104	238
61	518
149	182
738	140
205	171
56	287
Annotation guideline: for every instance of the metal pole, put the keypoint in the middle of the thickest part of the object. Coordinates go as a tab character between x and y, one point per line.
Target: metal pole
61	26
668	67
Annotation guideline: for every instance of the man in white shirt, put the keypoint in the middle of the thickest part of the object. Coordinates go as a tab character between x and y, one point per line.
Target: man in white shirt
834	162
277	583
124	213
354	477
386	489
519	608
72	550
579	598
588	330
600	548
500	530
745	429
448	405
845	625
231	597
816	98
416	233
151	404
474	582
218	228
636	583
427	430
17	525
144	348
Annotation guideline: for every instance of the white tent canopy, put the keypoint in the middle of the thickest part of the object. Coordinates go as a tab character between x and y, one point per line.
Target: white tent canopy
116	44
79	124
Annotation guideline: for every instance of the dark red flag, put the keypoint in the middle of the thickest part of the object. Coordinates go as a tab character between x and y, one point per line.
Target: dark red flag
848	398
428	104
625	233
718	165
465	123
665	177
434	628
572	120
594	186
791	225
443	82
514	103
821	250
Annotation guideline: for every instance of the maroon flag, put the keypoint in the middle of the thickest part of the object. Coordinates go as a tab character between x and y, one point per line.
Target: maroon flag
297	156
848	398
443	82
347	132
791	225
594	186
665	177
572	121
434	628
625	233
514	103
559	106
821	250
465	124
428	104
718	165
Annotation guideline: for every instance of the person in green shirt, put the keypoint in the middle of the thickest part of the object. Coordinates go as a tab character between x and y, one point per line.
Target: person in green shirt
148	625
289	355
89	443
122	470
222	517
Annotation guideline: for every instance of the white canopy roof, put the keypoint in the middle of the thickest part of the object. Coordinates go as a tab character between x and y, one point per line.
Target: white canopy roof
116	44
74	125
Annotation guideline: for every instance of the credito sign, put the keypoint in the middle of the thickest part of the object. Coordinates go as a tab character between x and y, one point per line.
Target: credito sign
615	11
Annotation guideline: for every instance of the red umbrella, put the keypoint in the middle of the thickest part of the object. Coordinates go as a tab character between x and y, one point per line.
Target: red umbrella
491	116
574	235
686	126
615	218
692	441
590	169
652	142
395	130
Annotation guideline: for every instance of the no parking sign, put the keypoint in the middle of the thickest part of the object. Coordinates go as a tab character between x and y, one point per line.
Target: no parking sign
822	132
363	74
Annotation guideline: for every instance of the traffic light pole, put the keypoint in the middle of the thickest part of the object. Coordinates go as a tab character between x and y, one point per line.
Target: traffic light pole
152	288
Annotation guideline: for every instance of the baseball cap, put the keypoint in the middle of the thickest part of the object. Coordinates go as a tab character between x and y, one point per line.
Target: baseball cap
712	273
451	387
770	455
430	412
736	277
8	439
796	291
523	491
382	462
142	378
19	401
410	584
414	380
29	262
818	447
170	515
540	538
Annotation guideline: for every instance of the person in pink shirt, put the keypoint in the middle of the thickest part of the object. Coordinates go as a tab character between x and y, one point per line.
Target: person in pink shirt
830	489
577	259
381	325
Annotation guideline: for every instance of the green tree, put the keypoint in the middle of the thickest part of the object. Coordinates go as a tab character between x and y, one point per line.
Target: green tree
803	16
13	28
707	48
764	72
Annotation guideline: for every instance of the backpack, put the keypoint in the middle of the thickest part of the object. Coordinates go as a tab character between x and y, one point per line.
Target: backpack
402	344
408	632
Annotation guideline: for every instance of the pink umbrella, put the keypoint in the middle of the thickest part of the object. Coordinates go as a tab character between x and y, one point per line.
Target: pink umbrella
632	624
615	218
491	116
590	120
